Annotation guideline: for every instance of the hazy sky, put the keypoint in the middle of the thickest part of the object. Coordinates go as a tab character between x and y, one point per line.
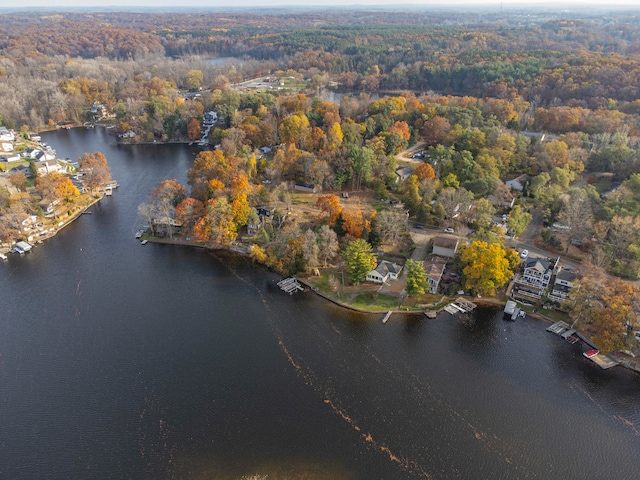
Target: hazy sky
52	4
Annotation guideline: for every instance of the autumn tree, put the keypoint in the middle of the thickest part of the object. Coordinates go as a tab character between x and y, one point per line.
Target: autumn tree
193	129
485	267
188	212
435	131
95	169
18	180
424	171
603	308
416	278
193	79
329	204
359	260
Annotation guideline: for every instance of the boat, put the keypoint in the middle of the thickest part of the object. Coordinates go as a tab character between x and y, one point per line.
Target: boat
3	256
144	242
591	353
139	233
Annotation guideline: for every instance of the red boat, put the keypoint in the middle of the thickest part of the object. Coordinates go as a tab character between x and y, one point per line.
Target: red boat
591	353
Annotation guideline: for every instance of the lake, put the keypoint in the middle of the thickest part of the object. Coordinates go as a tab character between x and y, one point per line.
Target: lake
125	361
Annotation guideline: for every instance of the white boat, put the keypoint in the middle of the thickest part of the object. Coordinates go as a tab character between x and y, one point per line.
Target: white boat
139	233
144	242
3	256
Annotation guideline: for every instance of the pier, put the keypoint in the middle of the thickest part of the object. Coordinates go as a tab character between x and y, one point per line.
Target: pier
290	285
460	305
386	317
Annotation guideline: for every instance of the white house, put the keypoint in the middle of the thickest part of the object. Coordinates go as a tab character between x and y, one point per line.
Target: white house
517	183
7	146
535	278
6	135
45	167
384	271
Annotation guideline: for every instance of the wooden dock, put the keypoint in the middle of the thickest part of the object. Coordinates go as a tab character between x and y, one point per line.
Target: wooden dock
290	285
604	361
431	313
460	305
558	328
386	317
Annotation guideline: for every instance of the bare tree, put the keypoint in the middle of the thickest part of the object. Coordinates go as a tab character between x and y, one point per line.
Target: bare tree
392	224
310	248
576	214
327	243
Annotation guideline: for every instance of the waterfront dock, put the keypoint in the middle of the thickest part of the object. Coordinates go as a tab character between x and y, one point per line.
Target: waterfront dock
386	317
290	285
460	305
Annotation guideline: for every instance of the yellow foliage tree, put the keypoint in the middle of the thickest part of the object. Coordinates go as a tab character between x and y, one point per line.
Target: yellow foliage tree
485	267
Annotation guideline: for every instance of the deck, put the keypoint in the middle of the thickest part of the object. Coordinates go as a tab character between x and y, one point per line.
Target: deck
460	305
290	285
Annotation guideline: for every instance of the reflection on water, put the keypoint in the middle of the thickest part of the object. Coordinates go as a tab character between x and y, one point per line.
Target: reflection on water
122	361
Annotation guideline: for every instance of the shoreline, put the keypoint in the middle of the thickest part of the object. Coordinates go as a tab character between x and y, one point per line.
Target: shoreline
625	362
57	228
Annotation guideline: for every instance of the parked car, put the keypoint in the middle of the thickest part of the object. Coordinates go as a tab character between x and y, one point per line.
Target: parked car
449	230
524	253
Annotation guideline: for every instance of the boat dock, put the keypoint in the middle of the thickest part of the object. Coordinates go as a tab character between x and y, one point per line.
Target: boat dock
558	328
290	285
604	362
460	305
562	329
386	317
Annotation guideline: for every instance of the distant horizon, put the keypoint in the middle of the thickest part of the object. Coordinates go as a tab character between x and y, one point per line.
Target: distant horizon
227	4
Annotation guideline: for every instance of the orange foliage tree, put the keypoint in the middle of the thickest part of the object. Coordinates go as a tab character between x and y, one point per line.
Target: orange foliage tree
330	204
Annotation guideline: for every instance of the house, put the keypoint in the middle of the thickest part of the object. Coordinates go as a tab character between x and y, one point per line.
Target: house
265	149
384	271
45	167
48	207
535	277
445	246
517	183
210	118
96	109
22	169
6	135
501	198
305	187
565	280
402	173
265	212
7	146
14	157
434	268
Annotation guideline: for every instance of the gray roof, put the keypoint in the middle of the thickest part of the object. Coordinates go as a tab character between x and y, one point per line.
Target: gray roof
566	275
385	267
538	263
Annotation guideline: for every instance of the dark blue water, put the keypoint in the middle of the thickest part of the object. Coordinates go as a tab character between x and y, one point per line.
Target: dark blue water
156	362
